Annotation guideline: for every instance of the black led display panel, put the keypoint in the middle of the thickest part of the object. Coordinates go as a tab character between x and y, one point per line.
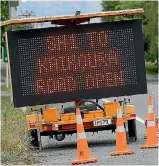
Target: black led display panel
91	61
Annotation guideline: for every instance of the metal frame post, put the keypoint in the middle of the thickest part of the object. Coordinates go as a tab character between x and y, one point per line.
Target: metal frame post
38	131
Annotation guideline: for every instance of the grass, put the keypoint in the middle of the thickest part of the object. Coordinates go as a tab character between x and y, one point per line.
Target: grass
151	69
4	88
14	136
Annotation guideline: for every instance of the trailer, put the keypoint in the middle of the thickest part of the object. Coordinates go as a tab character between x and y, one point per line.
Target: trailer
95	118
78	63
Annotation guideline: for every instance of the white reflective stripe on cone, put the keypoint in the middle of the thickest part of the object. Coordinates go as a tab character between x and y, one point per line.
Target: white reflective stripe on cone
130	105
79	119
120	129
119	113
81	136
151	123
150	109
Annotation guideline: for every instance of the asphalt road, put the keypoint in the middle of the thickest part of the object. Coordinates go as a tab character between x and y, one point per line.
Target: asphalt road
103	142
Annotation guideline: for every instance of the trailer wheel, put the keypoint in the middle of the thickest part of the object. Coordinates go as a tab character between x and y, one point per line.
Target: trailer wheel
59	137
132	131
34	138
72	109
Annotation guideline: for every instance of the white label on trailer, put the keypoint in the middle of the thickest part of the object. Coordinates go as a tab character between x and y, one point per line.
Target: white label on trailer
102	122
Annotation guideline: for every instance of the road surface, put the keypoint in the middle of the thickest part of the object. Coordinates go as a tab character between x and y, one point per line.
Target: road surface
101	144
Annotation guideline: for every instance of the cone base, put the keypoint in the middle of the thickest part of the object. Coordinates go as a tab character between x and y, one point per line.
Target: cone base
145	137
91	160
126	152
149	146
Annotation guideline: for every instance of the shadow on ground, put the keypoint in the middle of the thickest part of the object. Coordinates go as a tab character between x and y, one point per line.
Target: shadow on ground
73	145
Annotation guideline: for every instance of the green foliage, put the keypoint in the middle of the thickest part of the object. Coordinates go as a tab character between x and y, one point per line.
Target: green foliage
4	10
109	6
151	29
149	21
148	56
156	40
151	69
4	17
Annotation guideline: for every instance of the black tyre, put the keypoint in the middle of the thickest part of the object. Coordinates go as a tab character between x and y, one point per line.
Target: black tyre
132	131
72	109
59	137
34	138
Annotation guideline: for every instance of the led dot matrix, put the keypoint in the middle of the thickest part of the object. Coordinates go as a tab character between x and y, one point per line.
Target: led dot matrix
85	61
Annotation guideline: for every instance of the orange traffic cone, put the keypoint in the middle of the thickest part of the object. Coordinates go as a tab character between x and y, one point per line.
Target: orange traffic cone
157	124
151	140
83	153
150	101
121	141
